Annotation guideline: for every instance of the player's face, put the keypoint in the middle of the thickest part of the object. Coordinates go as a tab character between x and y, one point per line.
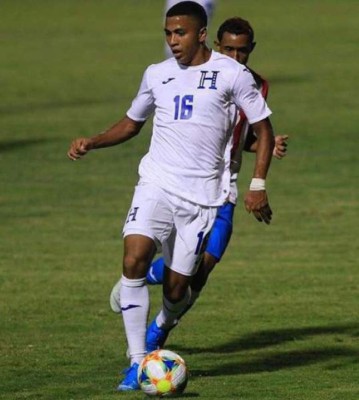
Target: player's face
185	37
235	46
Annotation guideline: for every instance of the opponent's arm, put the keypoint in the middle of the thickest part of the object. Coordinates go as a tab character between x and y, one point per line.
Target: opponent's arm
280	146
256	200
123	130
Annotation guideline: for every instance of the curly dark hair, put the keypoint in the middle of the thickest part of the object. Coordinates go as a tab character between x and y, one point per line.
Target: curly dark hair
236	25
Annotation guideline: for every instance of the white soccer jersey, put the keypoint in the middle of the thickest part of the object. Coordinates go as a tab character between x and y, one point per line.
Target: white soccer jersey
193	123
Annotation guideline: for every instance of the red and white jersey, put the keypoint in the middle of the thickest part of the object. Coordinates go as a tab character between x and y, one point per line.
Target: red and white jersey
193	123
240	135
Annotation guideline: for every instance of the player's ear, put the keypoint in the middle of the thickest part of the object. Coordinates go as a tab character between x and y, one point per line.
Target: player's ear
217	44
202	35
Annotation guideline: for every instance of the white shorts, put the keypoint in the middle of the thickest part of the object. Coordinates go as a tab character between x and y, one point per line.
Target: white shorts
178	225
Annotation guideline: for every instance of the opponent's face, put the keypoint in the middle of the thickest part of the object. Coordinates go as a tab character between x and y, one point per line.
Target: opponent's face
185	38
235	46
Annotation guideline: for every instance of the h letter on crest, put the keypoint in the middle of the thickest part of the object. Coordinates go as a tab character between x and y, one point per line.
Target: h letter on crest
132	214
212	79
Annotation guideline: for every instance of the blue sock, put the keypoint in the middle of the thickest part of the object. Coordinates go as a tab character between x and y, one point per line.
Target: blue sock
156	271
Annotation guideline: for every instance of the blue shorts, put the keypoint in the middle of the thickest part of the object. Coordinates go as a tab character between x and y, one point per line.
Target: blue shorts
221	231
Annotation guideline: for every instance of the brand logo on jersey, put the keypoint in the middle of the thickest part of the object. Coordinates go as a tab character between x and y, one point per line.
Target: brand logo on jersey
208	78
129	307
168	80
132	214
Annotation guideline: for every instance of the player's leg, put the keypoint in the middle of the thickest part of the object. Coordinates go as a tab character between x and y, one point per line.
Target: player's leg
176	294
193	224
148	220
138	253
216	246
217	243
218	240
154	277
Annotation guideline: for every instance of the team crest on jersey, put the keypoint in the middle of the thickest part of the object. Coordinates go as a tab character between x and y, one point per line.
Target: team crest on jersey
208	80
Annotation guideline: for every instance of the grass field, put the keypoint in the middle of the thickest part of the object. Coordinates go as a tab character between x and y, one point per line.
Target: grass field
279	318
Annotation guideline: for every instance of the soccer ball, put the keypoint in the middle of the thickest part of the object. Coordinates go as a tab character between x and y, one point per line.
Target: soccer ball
162	373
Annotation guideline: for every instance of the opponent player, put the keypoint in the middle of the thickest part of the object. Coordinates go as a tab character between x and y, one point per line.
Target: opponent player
183	177
235	38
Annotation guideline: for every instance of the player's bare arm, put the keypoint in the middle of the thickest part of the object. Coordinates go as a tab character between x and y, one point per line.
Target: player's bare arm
256	200
120	132
265	146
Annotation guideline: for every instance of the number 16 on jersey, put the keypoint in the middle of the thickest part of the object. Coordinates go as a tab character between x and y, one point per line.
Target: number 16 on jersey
183	106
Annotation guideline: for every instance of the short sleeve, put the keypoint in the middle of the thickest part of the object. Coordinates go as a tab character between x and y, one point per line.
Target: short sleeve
143	104
248	98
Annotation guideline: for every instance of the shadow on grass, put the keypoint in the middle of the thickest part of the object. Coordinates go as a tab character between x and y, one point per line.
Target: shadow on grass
277	361
262	339
274	359
13	145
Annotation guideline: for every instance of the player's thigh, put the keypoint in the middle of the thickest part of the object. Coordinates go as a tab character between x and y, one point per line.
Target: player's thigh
221	231
150	214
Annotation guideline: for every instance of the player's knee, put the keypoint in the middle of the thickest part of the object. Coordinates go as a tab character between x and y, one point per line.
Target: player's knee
134	267
174	296
175	293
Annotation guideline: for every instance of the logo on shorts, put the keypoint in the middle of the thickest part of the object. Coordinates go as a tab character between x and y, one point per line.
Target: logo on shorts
132	214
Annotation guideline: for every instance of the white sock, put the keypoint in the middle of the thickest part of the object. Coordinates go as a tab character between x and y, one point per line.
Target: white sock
169	314
135	305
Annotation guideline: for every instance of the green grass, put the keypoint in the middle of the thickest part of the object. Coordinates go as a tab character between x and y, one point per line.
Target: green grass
279	318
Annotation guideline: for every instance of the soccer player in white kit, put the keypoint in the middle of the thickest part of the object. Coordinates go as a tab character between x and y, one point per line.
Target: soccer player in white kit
185	175
208	5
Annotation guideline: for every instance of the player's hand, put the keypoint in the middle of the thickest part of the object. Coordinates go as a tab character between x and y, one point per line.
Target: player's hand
280	148
256	202
79	147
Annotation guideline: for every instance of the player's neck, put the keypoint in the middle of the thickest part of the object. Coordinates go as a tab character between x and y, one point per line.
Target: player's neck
202	56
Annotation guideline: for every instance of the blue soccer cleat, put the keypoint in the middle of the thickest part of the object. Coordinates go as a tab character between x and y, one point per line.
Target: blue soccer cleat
130	382
155	337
